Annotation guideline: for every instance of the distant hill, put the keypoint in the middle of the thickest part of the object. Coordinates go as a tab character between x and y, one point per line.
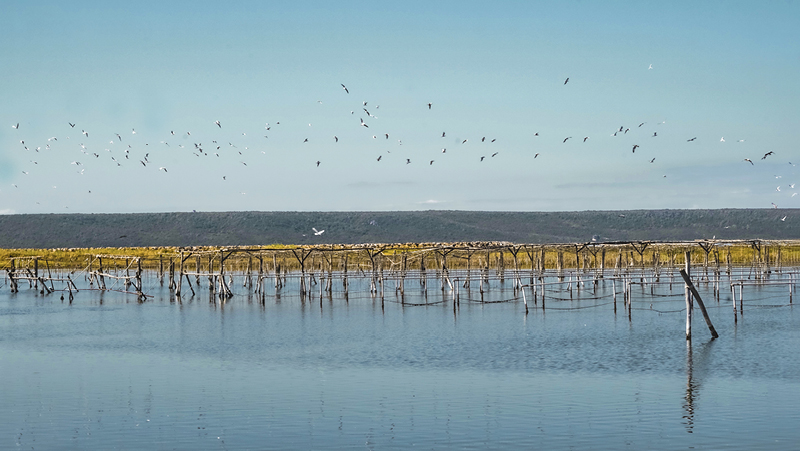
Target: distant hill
263	228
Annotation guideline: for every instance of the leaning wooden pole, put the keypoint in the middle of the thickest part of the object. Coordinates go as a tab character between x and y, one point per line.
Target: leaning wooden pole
691	287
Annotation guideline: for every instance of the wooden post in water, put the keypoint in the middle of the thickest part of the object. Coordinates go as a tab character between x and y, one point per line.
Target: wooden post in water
179	281
691	288
139	292
11	276
688	293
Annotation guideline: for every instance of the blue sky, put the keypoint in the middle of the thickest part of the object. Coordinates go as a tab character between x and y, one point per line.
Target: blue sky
496	70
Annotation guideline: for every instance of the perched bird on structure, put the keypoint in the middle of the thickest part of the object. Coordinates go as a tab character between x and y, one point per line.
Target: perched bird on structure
749	161
767	154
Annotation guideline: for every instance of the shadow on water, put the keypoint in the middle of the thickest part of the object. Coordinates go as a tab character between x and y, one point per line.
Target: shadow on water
696	370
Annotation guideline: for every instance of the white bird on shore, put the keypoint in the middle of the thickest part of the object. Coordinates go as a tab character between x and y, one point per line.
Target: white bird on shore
317	232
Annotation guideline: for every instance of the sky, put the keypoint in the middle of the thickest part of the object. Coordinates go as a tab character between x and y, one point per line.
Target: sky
725	73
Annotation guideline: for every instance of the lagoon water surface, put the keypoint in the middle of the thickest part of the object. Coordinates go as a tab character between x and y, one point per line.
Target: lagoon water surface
108	372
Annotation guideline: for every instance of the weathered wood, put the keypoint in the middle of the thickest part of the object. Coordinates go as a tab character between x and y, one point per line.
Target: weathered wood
688	294
700	304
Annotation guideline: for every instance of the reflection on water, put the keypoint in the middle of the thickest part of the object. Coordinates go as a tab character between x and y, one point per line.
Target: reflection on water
357	373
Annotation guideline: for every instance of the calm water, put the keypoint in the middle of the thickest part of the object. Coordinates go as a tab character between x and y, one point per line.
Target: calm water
107	372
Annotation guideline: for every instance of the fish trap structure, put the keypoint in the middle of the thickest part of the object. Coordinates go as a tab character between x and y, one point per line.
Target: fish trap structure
537	275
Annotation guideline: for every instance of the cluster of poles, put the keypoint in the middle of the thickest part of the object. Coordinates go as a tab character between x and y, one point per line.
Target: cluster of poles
451	269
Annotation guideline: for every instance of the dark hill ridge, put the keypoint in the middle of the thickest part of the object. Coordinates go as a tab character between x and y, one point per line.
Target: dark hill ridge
262	228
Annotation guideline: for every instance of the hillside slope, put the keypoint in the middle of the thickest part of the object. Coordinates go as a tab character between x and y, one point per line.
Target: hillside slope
261	228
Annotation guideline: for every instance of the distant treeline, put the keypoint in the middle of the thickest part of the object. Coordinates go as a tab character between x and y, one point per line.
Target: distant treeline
264	228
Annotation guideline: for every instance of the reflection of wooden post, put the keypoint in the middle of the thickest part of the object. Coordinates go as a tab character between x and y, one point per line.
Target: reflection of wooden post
691	288
688	293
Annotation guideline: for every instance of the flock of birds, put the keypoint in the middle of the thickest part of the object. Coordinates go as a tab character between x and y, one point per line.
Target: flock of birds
119	152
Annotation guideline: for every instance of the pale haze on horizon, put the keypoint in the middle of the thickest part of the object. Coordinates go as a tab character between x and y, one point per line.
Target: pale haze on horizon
530	97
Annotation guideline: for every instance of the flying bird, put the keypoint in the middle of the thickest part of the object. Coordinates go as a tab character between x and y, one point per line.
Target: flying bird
218	124
783	218
162	169
689	140
565	139
722	140
773	205
442	134
767	154
464	141
651	66
379	157
634	148
363	124
317	163
317	232
408	160
654	134
493	155
749	161
345	88
585	138
429	105
336	138
71	124
653	160
566	81
534	157
15	126
485	157
431	163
